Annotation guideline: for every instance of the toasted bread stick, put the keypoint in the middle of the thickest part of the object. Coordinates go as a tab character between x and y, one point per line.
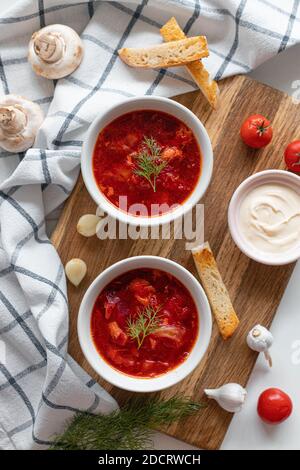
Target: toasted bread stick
215	289
171	31
166	55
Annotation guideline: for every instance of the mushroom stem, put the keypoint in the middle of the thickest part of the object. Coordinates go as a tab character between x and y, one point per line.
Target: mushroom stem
268	358
49	46
12	120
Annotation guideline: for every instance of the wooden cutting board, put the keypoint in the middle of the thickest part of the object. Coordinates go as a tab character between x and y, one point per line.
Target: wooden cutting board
255	289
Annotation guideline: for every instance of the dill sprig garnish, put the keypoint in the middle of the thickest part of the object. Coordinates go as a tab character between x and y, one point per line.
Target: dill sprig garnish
149	161
146	322
128	429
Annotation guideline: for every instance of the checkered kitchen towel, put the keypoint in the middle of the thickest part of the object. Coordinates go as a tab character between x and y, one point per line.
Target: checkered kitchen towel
40	385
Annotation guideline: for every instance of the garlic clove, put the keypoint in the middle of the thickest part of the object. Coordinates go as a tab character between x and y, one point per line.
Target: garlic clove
260	339
230	397
55	51
87	224
75	270
20	120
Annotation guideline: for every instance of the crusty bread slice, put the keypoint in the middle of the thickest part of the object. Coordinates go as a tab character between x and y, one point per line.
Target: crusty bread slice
166	55
171	31
215	289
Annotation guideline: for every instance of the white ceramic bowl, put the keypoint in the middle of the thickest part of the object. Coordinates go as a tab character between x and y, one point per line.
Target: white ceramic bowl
263	177
118	378
147	103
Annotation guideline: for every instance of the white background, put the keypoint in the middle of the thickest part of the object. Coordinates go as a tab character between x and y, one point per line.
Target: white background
246	430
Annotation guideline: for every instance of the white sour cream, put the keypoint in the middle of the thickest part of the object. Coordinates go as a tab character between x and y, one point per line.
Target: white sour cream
270	218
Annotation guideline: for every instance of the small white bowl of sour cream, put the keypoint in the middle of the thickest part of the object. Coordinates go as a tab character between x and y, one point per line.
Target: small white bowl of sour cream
264	217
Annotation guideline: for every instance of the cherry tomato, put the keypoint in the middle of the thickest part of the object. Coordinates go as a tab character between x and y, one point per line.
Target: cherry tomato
292	156
256	131
274	406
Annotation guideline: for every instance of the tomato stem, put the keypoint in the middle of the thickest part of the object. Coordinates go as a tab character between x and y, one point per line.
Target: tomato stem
261	128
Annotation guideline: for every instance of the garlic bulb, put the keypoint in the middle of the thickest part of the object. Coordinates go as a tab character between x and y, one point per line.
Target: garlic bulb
260	339
230	397
55	51
20	120
87	224
75	270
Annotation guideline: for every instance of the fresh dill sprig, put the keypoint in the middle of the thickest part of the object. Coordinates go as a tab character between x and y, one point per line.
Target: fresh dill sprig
149	162
127	429
153	146
146	322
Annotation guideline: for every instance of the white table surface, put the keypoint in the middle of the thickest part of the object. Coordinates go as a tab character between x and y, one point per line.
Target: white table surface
246	430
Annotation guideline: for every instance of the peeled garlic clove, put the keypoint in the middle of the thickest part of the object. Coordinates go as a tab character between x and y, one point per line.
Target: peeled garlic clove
75	270
87	224
230	397
20	120
55	51
260	339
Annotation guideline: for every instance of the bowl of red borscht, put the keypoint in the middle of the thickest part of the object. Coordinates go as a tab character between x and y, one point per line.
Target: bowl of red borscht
144	324
147	161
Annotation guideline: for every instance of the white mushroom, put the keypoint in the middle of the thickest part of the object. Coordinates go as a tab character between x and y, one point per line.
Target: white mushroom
20	120
260	339
55	51
75	270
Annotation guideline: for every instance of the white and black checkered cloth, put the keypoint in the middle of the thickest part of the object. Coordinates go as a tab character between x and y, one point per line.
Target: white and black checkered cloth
40	385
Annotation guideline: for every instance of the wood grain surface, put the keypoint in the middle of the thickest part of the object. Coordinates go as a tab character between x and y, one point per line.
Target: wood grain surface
255	289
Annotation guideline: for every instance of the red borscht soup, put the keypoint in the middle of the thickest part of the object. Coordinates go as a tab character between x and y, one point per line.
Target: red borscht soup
151	158
144	323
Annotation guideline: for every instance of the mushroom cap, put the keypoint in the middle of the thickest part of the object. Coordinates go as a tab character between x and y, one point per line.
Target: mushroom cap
27	127
55	51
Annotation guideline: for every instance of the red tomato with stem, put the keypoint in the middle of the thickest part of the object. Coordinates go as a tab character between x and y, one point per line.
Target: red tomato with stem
274	406
292	156
256	131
